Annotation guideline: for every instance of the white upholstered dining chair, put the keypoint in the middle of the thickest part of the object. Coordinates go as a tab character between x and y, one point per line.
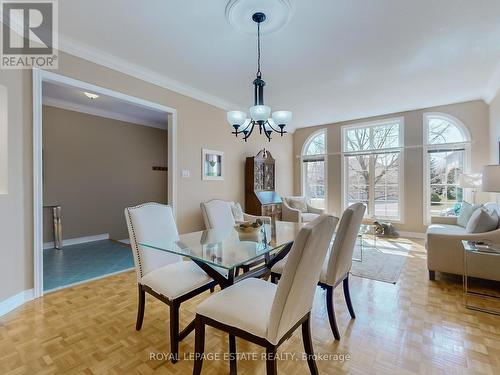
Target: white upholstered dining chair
161	274
337	264
220	214
265	313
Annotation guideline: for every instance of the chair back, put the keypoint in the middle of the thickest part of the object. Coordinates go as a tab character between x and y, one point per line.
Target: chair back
340	261
150	222
218	214
297	285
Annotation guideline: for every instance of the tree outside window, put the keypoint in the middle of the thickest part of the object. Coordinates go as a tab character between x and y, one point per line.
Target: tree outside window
372	168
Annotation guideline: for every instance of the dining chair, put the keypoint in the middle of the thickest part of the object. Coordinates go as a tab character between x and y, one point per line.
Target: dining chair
267	314
337	264
220	214
161	274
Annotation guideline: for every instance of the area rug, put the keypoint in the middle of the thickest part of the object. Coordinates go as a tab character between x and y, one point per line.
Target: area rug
382	260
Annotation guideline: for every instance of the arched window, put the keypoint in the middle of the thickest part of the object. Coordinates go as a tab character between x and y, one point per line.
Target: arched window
314	169
446	157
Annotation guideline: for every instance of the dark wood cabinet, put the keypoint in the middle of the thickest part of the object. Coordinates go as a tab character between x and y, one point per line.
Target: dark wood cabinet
261	197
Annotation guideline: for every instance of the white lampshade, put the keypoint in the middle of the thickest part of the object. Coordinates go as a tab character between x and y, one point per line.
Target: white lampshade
282	117
236	117
260	112
491	178
470	181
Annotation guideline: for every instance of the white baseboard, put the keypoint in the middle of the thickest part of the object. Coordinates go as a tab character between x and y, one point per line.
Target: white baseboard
78	240
412	235
15	301
126	241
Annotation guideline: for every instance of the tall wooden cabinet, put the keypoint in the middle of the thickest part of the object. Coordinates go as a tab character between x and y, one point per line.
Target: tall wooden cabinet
261	197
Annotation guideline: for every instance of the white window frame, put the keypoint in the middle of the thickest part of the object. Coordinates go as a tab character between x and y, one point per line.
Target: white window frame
400	149
319	157
466	145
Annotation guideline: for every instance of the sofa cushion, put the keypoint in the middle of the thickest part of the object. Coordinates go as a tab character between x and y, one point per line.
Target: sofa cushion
445	229
298	204
482	220
466	212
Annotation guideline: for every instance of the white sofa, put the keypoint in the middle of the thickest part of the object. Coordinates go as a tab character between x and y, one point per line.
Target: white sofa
445	252
304	215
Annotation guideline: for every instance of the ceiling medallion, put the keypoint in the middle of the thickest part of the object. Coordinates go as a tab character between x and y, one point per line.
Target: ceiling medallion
259	113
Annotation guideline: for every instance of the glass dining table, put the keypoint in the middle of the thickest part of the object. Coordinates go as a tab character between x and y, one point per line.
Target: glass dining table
220	252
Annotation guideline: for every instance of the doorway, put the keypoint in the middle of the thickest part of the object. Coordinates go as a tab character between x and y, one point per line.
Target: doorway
85	138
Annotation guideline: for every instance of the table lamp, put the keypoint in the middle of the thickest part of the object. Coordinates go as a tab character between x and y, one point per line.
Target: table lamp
491	178
470	181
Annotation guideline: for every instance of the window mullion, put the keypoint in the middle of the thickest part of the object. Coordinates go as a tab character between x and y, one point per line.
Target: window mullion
371	182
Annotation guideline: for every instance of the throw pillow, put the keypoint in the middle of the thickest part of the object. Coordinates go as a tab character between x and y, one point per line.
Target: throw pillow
298	204
237	212
482	220
466	212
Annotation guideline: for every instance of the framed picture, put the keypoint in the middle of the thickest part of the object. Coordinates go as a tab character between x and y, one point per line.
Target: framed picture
212	167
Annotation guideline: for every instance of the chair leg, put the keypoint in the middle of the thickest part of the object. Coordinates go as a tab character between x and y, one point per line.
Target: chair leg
233	369
174	332
199	345
308	346
140	308
432	275
331	312
271	363
347	296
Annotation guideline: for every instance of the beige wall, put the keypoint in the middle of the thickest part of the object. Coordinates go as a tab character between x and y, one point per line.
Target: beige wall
494	128
94	167
473	114
199	126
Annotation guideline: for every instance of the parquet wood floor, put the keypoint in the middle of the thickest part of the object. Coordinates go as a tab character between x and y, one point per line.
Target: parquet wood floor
413	327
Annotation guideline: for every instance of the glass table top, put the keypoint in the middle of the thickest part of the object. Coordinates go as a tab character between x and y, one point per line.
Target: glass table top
228	248
481	247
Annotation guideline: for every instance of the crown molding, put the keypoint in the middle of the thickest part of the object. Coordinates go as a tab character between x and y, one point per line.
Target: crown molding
89	110
96	56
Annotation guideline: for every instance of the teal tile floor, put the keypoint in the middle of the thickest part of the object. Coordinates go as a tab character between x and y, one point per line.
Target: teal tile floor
77	263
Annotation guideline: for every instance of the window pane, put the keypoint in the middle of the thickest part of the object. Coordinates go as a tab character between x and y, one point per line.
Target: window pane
358	189
386	182
444	169
315	183
357	139
317	145
386	136
372	137
444	131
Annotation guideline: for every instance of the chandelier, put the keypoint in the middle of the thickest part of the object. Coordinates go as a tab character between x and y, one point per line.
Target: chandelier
260	114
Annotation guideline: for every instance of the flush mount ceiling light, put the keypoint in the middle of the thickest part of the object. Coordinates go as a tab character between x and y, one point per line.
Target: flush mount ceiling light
90	95
260	114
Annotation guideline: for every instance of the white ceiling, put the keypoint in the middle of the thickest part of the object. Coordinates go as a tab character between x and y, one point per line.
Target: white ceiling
334	60
74	99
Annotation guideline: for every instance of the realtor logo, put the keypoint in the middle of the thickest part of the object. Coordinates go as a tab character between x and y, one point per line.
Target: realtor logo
29	34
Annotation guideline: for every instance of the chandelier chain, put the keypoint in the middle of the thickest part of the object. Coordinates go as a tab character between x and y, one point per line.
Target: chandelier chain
259	74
